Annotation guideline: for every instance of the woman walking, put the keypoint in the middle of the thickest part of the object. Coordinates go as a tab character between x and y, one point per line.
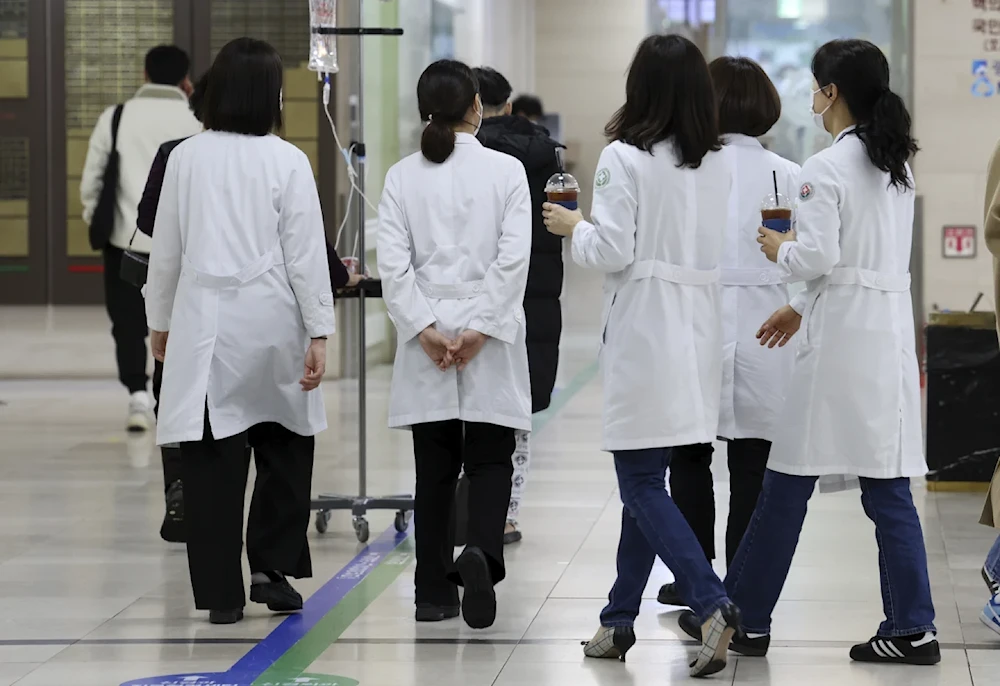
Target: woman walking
853	405
754	379
239	281
660	205
454	245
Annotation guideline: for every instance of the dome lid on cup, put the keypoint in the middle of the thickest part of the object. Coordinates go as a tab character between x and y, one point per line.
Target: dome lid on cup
562	182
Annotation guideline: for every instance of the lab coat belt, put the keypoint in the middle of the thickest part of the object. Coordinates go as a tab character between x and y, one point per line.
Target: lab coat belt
751	277
674	273
258	267
867	278
451	291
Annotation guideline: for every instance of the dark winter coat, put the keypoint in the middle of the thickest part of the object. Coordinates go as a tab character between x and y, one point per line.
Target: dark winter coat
529	143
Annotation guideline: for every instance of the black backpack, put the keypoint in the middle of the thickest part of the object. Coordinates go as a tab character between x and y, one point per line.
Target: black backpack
102	224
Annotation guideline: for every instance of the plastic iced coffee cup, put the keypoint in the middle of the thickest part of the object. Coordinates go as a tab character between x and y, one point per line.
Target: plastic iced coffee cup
776	213
563	189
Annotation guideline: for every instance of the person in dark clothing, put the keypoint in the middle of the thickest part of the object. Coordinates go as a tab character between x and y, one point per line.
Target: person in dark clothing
172	529
519	137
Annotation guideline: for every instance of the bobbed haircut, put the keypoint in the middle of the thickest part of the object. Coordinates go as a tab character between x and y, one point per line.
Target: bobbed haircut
749	103
445	92
197	100
244	89
494	88
861	73
167	65
668	96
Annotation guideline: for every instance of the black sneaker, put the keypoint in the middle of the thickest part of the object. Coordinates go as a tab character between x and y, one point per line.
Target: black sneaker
172	529
902	651
278	595
669	596
479	602
741	644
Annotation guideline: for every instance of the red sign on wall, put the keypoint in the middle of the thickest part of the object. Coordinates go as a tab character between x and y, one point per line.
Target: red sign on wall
960	241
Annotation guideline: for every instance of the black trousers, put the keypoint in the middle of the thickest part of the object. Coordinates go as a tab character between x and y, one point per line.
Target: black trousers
692	490
215	478
441	449
127	311
171	456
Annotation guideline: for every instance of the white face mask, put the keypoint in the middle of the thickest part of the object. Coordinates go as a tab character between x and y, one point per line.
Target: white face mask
818	116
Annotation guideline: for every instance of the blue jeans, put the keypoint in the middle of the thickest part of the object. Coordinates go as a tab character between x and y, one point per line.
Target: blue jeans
993	561
652	525
758	573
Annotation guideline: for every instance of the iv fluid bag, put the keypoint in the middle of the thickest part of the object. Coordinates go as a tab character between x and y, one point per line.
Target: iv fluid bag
323	48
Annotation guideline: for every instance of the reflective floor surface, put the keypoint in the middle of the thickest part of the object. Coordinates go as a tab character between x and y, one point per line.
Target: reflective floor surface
89	594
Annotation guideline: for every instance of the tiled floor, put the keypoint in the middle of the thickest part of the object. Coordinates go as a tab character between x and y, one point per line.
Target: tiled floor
90	596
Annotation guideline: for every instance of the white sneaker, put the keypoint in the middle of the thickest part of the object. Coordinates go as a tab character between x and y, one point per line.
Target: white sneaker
140	410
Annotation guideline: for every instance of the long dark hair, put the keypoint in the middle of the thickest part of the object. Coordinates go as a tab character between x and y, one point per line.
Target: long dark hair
668	95
445	92
861	73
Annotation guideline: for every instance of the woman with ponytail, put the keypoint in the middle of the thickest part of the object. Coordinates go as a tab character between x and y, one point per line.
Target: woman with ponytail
454	243
853	405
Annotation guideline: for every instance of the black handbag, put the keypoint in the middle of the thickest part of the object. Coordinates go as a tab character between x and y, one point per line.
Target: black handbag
102	224
135	265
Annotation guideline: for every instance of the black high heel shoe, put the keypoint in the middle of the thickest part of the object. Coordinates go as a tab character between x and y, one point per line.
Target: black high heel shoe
610	643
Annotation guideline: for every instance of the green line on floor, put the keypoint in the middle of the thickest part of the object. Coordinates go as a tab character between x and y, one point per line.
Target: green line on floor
13	268
311	647
298	659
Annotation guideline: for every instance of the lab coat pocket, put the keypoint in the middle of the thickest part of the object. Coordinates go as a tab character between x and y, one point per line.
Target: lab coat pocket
606	318
810	324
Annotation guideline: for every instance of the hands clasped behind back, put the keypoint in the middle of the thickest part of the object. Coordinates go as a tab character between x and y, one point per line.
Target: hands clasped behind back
445	352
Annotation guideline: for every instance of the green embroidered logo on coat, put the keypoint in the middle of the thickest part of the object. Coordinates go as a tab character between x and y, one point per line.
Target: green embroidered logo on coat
603	178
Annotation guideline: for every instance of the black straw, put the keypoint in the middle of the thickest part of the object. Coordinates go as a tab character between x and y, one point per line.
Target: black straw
777	201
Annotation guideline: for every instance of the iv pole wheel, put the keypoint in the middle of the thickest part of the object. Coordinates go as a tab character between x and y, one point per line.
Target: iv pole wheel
361	529
323	521
402	520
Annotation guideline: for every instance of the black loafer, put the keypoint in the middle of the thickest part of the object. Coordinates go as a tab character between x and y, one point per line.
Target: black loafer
225	616
512	537
172	529
434	613
479	604
279	596
669	596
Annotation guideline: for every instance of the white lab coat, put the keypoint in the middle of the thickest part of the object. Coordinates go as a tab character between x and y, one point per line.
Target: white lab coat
754	379
853	405
656	230
454	243
238	275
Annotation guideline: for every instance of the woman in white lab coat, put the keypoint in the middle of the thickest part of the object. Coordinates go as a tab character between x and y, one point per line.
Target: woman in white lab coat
754	380
454	243
238	280
661	198
853	404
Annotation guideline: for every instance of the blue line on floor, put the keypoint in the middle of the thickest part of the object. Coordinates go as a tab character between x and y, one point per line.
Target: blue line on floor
263	655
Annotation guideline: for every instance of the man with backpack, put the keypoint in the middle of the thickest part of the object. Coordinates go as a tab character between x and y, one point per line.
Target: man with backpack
125	140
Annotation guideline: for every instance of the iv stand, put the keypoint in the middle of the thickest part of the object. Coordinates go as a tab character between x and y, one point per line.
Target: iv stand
360	504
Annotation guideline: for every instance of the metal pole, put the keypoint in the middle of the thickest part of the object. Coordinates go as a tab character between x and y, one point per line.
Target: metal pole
362	357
